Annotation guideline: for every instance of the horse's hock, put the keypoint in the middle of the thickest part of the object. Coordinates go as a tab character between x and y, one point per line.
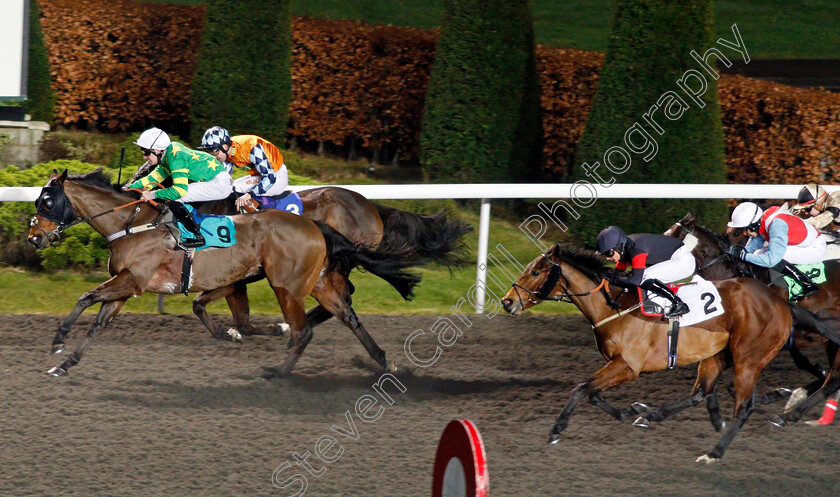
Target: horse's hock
20	142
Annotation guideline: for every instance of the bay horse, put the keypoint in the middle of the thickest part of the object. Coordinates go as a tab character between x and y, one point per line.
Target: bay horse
418	238
427	238
710	250
296	255
754	327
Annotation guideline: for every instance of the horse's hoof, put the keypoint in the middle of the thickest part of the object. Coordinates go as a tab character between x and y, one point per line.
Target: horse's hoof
795	398
233	335
283	328
270	373
816	422
57	348
391	367
778	420
57	372
641	422
638	407
553	438
706	458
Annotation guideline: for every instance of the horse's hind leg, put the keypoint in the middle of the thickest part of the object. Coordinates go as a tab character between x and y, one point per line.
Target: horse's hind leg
106	314
241	311
831	384
327	294
318	314
613	374
708	373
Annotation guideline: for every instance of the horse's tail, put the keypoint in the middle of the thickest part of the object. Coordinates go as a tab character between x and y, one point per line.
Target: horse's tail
430	237
827	326
344	256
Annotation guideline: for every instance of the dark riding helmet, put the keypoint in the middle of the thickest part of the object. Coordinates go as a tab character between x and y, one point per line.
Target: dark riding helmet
611	238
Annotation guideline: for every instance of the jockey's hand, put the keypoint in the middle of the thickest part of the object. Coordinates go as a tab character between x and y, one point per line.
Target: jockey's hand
243	200
147	196
736	251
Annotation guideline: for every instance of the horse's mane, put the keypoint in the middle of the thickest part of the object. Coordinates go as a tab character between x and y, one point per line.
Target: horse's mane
592	265
100	179
722	242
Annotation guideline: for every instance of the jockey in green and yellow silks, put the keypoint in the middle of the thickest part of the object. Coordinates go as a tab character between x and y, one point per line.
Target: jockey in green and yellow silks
196	176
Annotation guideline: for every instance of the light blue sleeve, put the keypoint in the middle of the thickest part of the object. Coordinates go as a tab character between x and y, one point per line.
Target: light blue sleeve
776	249
754	244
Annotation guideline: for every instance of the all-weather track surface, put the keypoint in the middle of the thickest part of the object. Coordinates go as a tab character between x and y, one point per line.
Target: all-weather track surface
159	408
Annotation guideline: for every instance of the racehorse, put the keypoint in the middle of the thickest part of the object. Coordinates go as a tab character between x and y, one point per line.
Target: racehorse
420	238
754	327
710	250
427	238
296	255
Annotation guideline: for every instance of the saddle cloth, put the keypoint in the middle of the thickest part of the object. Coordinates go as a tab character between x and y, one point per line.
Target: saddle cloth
218	231
702	297
288	201
814	271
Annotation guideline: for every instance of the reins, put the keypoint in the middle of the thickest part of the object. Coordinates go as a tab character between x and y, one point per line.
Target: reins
61	226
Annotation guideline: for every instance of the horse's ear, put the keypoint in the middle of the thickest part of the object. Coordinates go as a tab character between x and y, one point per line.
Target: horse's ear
61	178
554	250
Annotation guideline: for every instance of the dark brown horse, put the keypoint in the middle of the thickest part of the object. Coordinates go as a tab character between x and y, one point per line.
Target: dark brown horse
709	249
754	328
425	238
296	255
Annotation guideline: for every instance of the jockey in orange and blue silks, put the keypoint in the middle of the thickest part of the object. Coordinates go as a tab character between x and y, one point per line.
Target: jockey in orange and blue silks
268	174
789	240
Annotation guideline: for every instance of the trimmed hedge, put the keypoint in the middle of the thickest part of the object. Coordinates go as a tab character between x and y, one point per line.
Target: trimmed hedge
644	62
242	80
362	88
40	98
82	247
482	117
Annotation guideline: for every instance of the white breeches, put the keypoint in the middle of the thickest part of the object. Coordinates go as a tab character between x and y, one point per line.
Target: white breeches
217	188
681	265
247	183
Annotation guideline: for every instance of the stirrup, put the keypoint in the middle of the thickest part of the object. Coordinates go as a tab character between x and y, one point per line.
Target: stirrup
676	310
198	241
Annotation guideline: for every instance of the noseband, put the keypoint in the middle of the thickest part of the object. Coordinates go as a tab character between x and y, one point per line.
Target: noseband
544	292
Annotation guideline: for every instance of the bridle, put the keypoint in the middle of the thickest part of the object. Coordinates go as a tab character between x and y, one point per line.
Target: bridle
554	275
52	205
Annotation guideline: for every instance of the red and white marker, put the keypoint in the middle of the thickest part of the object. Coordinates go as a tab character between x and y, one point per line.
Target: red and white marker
460	462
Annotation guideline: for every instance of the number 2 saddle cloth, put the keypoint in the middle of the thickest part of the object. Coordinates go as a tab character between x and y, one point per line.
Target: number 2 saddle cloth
701	296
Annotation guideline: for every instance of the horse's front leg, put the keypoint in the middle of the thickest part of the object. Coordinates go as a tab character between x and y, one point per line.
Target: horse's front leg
106	314
613	374
120	286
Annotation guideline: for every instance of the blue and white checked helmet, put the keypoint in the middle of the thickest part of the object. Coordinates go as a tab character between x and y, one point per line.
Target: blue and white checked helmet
214	138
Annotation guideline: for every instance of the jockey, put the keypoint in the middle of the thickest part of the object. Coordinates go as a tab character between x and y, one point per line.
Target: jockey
822	209
790	241
196	177
654	259
268	173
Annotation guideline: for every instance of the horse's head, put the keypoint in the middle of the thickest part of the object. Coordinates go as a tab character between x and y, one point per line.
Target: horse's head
554	275
53	213
682	227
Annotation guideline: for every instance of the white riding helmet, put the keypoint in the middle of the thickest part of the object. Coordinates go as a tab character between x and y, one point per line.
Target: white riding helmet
153	139
746	215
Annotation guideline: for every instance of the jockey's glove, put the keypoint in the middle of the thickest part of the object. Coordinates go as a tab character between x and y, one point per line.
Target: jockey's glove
736	251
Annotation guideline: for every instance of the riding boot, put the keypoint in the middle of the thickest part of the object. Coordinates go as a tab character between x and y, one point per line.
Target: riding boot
678	307
808	287
183	215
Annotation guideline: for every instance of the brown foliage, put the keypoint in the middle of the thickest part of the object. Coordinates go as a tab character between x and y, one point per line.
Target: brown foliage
121	65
